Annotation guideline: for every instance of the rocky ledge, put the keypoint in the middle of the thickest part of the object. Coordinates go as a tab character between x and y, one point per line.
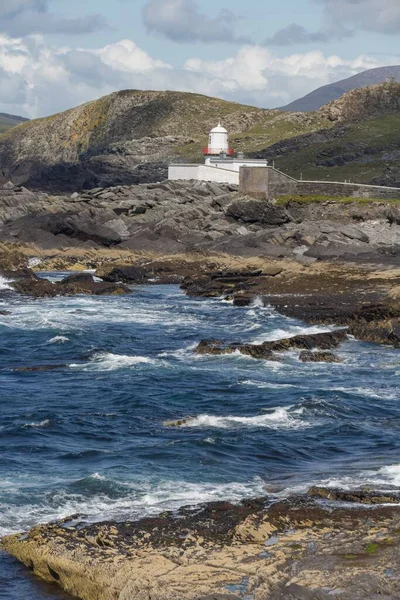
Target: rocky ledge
26	282
268	350
296	549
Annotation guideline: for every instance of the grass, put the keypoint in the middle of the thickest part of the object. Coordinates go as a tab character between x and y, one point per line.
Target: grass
284	199
382	134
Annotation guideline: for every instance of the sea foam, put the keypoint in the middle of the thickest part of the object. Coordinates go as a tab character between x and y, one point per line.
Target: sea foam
279	418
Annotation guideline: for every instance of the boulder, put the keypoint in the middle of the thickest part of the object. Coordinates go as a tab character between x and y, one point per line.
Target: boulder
257	211
127	274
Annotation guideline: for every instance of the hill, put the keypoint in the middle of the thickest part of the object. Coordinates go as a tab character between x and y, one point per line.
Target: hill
127	137
333	91
8	121
363	145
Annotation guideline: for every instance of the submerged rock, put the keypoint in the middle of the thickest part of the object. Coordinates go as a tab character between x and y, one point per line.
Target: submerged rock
39	368
327	357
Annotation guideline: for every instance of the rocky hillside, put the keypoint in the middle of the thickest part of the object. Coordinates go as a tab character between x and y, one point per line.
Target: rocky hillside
363	145
333	91
104	142
130	136
9	121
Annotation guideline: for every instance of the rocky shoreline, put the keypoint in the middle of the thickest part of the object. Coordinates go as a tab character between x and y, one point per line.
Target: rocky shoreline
308	262
301	548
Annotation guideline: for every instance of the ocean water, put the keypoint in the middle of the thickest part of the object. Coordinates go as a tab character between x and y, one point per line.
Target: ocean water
89	437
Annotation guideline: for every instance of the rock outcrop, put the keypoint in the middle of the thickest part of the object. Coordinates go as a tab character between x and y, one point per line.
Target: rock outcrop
290	550
171	217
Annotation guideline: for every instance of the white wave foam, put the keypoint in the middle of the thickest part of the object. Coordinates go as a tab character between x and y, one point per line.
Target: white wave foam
291	331
391	473
40	425
4	283
58	339
141	499
106	361
34	262
368	392
279	418
268	385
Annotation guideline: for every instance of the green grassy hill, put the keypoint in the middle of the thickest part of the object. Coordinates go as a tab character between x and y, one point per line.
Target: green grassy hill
362	144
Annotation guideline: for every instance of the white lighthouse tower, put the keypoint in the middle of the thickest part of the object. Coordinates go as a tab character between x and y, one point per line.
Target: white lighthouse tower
218	142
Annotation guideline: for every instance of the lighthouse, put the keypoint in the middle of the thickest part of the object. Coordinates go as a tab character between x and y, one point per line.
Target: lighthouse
218	142
220	164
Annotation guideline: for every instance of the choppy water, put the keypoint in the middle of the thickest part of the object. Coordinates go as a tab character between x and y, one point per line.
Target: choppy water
89	437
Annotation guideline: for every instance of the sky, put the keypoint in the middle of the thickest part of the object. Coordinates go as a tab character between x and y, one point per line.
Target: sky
56	54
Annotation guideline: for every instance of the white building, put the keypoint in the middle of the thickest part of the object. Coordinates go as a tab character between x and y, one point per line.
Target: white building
220	164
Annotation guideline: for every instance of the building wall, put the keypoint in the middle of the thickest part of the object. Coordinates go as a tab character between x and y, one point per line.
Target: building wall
202	173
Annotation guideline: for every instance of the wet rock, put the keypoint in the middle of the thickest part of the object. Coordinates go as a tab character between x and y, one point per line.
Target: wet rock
39	368
5	313
127	274
316	357
267	350
364	496
79	278
70	286
38	288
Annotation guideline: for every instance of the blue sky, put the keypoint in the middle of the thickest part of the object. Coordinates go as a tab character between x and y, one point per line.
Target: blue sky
55	54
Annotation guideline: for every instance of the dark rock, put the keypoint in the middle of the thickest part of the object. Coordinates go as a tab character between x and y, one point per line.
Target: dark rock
39	368
327	357
127	274
5	313
267	350
257	211
39	288
79	278
80	284
358	496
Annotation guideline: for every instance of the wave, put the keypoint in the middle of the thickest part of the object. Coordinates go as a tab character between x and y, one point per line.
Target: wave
34	262
4	283
58	339
268	385
291	331
106	361
95	498
368	392
391	474
279	418
40	425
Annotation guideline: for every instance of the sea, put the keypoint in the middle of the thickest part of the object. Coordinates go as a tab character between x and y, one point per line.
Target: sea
89	436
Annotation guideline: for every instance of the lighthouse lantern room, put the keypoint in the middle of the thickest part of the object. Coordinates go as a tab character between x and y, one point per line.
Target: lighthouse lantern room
218	142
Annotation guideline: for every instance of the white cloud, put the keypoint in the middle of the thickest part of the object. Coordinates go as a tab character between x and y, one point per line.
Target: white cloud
38	79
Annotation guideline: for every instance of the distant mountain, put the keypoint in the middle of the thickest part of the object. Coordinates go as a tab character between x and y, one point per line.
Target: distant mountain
8	121
333	91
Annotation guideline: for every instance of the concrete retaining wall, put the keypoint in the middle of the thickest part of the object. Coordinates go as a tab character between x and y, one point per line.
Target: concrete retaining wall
269	183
